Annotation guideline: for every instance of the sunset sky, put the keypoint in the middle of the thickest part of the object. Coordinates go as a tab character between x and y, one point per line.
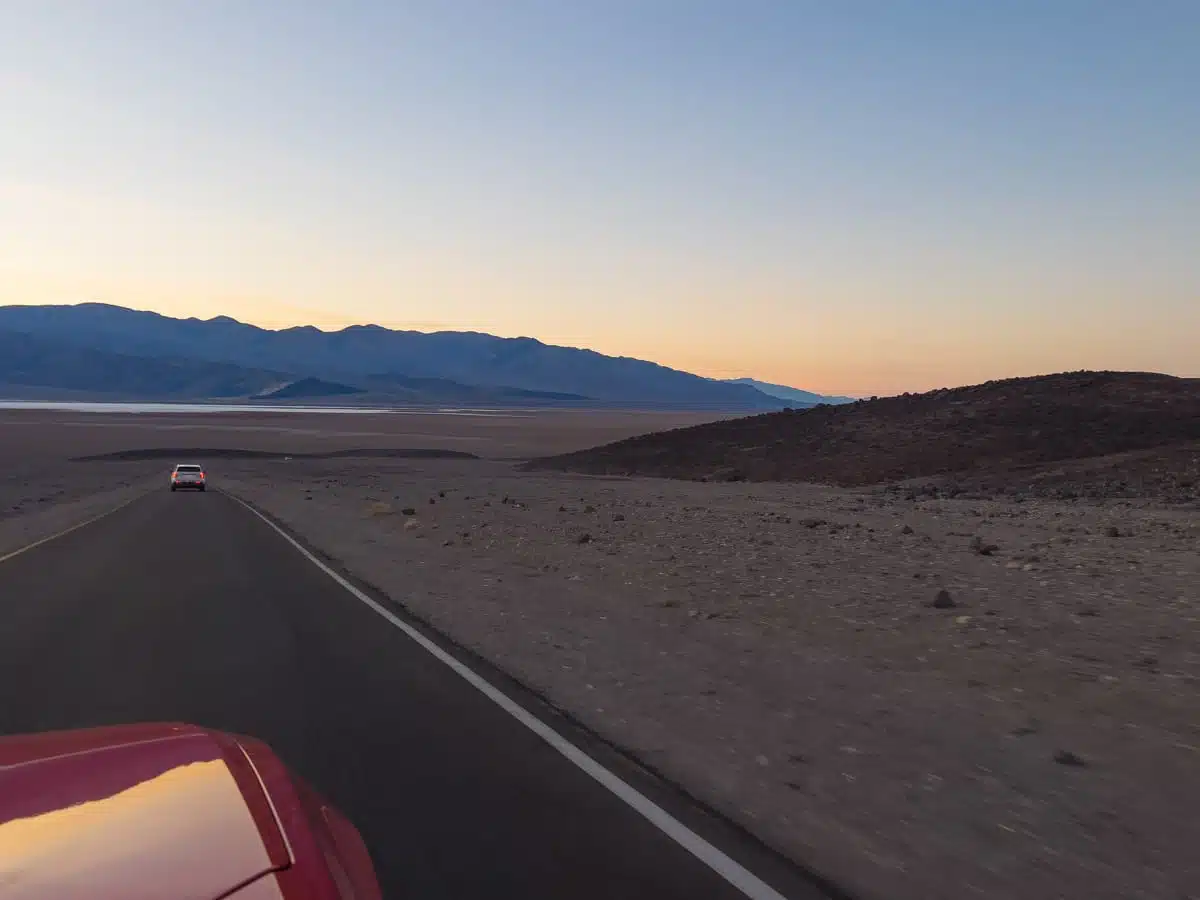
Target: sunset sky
850	196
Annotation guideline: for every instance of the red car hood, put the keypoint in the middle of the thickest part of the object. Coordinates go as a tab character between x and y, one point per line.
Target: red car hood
132	812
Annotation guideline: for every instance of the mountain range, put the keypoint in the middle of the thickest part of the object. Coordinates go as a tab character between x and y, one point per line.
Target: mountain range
783	392
118	353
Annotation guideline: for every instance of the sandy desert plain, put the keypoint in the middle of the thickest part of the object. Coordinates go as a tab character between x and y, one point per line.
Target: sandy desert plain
774	649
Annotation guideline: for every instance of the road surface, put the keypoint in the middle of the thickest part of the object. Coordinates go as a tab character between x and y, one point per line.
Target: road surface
188	607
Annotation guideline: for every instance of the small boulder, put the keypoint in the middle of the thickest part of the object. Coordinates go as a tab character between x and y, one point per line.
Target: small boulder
1067	758
981	547
943	600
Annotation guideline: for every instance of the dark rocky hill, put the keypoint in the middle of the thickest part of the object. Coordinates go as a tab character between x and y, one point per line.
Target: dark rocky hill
1001	426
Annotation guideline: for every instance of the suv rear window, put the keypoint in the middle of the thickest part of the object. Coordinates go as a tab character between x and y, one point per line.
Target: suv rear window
187	468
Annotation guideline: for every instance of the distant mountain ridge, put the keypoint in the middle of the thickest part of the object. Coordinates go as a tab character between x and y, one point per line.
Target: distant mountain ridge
37	368
29	361
359	356
783	392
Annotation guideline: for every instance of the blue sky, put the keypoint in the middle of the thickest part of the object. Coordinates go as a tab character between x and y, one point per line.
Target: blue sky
860	197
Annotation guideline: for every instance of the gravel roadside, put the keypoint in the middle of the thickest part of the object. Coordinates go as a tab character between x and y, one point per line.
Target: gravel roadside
782	652
35	505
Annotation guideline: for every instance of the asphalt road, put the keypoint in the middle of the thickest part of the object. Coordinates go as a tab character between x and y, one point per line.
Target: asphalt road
188	607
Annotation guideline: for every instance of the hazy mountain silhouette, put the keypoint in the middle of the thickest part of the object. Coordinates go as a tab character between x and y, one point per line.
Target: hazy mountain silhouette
363	351
783	392
34	365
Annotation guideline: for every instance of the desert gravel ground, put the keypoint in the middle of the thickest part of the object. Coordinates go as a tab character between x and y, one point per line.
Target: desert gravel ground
42	496
780	651
775	649
44	492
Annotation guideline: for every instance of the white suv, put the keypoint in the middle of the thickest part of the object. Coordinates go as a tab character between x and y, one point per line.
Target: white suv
187	476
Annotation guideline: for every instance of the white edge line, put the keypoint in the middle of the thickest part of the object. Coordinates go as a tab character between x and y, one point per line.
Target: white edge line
733	872
54	537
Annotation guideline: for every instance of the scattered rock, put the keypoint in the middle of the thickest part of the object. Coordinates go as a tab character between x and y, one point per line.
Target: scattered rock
409	511
590	509
412	525
432	501
982	548
1112	531
584	538
1067	758
943	600
619	518
907	529
812	523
